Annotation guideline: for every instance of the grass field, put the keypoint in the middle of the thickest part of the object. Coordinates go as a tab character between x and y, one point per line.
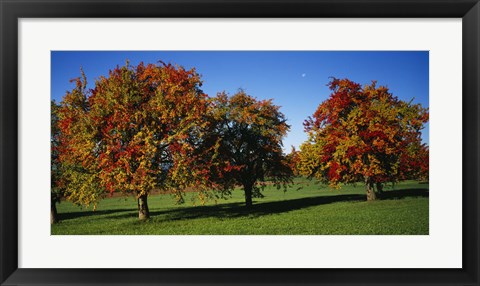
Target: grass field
314	209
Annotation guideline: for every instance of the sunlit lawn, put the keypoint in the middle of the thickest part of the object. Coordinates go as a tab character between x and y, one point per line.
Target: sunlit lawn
314	209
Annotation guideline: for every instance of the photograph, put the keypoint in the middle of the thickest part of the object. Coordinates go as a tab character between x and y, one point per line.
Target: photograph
247	142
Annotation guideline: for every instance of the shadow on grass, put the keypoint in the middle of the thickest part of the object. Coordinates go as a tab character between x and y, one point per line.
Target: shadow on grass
235	210
400	194
73	215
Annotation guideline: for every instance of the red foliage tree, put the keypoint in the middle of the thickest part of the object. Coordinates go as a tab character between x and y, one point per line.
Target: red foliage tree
364	134
293	161
132	133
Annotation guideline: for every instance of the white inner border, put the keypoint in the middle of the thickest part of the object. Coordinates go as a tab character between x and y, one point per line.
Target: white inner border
440	249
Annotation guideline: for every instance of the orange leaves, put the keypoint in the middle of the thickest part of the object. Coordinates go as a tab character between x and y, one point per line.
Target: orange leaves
293	161
362	132
136	125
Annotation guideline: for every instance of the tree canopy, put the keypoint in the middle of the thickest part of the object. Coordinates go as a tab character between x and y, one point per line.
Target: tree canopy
132	133
56	191
249	135
293	160
364	134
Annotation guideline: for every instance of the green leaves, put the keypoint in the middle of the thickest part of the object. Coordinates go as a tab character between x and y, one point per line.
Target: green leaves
247	137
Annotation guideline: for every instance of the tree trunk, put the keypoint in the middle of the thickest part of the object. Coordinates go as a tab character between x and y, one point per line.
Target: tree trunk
53	212
143	212
371	196
248	195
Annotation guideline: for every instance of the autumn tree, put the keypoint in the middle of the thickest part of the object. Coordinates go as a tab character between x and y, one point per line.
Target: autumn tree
293	160
364	134
415	161
133	132
68	175
75	176
248	149
56	192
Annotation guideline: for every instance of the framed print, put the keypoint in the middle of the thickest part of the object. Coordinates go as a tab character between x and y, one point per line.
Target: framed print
226	142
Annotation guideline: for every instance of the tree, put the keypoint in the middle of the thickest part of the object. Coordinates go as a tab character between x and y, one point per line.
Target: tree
133	132
364	134
293	160
75	178
248	137
56	192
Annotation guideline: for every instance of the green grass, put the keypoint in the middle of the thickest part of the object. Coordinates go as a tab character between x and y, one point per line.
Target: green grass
314	209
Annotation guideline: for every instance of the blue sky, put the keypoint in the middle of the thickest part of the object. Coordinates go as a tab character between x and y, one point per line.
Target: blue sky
295	80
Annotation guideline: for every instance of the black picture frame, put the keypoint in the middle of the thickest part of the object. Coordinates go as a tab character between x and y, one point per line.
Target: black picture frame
11	11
